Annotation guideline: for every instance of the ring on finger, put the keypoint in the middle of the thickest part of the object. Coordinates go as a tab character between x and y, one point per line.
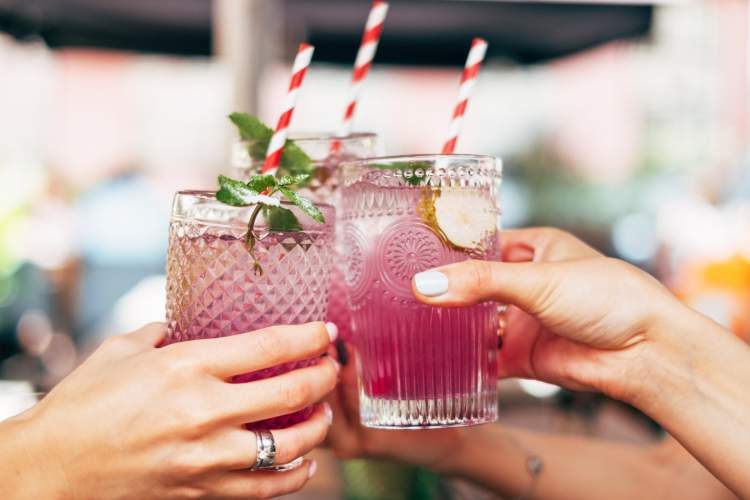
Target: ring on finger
265	449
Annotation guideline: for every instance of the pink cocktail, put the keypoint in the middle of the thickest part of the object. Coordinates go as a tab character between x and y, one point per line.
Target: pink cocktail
420	366
213	290
326	152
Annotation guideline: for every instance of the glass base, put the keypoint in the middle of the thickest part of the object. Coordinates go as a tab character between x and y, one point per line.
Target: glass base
427	413
291	465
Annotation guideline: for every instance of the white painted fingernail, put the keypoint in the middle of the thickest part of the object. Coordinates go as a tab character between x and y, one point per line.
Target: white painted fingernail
313	468
431	283
333	331
328	412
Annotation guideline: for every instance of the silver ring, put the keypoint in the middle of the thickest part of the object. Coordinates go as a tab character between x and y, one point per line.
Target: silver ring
265	449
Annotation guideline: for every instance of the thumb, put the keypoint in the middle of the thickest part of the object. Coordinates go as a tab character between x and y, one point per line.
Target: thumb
527	285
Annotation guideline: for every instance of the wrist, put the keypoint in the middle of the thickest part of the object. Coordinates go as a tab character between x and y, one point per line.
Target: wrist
676	360
492	456
656	354
452	461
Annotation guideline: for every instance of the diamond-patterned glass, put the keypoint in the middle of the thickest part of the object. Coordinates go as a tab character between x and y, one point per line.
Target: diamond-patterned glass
213	290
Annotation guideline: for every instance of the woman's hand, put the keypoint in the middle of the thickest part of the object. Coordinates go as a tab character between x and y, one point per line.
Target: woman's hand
586	322
576	313
349	439
576	318
137	421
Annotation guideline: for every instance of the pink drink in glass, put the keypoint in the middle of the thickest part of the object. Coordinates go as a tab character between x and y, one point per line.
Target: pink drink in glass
420	366
213	290
327	152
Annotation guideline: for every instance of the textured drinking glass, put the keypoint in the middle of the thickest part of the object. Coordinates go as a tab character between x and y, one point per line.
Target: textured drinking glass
420	366
213	290
327	152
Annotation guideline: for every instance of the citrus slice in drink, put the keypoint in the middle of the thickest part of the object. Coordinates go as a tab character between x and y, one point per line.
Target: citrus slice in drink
466	217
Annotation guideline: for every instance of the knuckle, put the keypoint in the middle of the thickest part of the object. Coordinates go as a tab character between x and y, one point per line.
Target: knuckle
291	450
623	273
266	489
552	233
192	422
543	296
269	344
295	394
480	274
200	423
116	344
175	362
558	233
193	463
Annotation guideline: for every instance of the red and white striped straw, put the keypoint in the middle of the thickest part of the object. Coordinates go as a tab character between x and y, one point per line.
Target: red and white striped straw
276	146
362	64
468	81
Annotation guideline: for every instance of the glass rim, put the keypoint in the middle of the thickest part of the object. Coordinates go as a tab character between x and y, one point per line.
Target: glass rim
311	137
435	157
211	196
488	166
228	216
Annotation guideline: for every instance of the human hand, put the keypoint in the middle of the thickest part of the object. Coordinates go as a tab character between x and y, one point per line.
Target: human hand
348	438
138	421
576	318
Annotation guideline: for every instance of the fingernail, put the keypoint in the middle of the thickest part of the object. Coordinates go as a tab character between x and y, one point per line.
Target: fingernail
335	363
333	331
313	468
431	283
342	351
329	413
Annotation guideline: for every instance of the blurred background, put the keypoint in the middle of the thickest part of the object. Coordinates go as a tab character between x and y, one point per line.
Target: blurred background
623	123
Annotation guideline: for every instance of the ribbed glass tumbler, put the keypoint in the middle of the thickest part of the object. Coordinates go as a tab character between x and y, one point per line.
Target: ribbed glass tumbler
420	366
213	290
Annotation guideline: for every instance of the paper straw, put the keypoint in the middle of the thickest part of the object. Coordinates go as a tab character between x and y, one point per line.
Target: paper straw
276	146
362	64
468	81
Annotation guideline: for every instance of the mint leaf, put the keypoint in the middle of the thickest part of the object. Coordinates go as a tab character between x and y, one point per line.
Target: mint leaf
234	193
280	219
290	181
257	149
250	127
303	203
293	160
261	182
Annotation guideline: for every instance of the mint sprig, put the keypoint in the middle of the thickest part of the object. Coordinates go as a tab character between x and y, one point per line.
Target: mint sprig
293	160
259	191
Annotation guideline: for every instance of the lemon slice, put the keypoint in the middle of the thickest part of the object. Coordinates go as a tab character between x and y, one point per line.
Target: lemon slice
465	216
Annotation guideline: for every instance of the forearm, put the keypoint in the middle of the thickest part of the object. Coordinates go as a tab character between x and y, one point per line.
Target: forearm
24	474
696	387
575	468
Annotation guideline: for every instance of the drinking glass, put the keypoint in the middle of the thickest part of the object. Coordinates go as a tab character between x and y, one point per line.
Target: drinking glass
327	152
420	366
214	291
